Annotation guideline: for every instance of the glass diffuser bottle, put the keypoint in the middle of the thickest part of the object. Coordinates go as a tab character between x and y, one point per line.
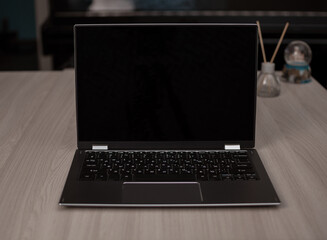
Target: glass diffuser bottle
268	85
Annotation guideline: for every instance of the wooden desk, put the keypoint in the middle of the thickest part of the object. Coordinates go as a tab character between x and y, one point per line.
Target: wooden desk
38	140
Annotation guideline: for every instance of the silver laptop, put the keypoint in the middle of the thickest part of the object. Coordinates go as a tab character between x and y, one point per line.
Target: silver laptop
166	117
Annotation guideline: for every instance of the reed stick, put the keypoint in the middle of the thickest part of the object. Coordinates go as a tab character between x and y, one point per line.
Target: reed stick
261	43
279	42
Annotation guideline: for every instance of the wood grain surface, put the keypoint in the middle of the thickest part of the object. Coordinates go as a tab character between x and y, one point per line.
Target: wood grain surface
38	140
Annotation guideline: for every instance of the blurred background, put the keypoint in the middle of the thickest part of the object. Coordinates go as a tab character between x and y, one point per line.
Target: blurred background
38	34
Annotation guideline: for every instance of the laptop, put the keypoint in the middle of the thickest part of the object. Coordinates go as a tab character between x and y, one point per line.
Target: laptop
166	117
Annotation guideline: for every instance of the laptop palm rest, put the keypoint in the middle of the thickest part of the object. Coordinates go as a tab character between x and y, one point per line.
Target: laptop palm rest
161	193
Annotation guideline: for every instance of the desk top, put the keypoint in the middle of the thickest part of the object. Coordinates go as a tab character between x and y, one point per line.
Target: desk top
38	141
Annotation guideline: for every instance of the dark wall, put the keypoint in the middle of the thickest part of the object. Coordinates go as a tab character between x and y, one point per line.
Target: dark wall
21	17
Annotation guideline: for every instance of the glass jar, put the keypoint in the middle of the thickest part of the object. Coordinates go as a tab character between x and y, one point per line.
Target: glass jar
268	84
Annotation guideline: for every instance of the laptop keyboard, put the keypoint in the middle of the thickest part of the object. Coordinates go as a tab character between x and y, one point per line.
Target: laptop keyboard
167	166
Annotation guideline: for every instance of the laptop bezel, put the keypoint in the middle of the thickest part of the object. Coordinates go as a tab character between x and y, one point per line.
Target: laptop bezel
174	145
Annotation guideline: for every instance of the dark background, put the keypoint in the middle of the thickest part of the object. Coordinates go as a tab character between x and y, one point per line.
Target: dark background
17	35
26	38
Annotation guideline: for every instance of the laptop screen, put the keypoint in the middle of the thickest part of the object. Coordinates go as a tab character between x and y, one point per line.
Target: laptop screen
193	82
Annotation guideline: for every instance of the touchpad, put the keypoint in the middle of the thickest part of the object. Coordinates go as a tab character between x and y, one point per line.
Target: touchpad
161	193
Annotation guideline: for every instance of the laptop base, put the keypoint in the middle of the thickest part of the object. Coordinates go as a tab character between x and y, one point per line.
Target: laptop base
168	194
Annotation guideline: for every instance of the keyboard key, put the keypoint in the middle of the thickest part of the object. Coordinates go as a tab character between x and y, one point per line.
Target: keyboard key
91	161
126	177
239	176
92	171
227	176
245	160
87	177
140	171
202	177
214	177
90	165
244	165
101	177
251	176
90	155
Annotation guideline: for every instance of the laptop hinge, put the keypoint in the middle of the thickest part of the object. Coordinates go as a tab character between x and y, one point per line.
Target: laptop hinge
99	147
233	147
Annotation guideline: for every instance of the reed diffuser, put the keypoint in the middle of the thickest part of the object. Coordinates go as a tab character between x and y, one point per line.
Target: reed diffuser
268	84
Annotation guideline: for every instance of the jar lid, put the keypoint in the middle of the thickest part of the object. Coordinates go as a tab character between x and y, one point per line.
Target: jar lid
268	67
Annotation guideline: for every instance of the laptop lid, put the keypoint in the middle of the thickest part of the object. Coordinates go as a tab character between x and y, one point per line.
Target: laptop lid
165	86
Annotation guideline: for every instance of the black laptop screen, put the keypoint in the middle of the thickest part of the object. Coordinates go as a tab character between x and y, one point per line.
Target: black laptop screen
166	82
